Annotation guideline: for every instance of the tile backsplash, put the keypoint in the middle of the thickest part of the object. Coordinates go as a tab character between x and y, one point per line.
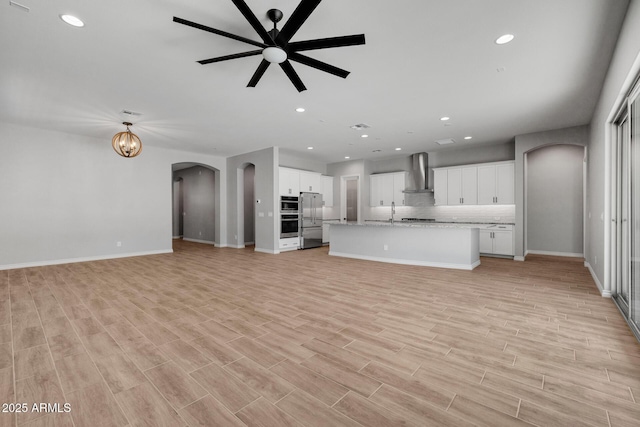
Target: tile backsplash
421	205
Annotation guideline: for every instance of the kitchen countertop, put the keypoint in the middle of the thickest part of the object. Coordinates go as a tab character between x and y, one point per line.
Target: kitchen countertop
408	224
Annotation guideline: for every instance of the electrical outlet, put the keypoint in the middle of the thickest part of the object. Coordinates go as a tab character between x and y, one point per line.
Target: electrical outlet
200	233
386	247
235	236
118	244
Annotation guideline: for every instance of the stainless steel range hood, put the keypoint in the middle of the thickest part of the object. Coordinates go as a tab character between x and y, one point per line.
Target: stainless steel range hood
419	173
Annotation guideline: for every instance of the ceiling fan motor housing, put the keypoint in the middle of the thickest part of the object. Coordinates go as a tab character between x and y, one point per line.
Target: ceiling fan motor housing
275	15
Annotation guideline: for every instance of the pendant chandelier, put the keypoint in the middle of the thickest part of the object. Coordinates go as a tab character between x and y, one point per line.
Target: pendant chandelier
126	143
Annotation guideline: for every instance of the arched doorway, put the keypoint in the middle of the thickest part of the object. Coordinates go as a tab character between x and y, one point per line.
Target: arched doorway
249	204
196	202
555	200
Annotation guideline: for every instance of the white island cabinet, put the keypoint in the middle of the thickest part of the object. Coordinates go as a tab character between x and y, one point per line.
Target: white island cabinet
438	245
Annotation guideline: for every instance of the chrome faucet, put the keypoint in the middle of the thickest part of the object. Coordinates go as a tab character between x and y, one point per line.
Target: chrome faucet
393	210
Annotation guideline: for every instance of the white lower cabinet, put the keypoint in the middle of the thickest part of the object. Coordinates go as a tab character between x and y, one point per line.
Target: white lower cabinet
289	244
497	240
325	233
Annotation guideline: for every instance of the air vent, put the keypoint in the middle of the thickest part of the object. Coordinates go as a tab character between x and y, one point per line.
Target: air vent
19	6
360	126
445	141
129	113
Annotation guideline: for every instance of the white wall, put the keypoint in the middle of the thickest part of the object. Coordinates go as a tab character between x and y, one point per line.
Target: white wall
624	66
69	197
296	161
554	200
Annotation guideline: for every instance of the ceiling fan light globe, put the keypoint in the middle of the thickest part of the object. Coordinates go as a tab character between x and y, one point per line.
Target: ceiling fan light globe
274	55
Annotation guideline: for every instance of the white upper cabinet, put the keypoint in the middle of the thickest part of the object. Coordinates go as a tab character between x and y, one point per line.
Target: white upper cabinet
385	188
496	184
506	184
481	184
327	191
462	186
399	185
310	182
289	182
440	187
295	181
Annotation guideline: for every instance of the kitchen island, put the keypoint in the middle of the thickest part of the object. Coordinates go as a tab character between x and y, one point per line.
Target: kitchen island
432	245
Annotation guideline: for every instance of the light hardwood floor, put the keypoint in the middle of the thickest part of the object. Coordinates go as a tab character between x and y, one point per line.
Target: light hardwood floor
227	337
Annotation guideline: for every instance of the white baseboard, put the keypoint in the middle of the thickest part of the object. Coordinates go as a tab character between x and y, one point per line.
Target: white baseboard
236	246
266	251
206	242
567	254
606	293
218	245
408	262
518	258
82	259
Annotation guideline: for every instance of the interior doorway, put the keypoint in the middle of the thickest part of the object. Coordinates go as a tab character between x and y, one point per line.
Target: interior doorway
178	208
249	205
350	206
554	200
195	204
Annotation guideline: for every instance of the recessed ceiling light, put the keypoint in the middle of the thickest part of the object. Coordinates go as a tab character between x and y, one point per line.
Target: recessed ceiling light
364	136
445	118
347	157
72	20
504	39
300	110
398	149
309	148
468	137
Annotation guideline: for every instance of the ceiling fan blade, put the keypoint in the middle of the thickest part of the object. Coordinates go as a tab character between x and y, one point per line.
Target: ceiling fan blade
255	23
322	66
227	57
218	32
293	76
302	12
356	39
259	72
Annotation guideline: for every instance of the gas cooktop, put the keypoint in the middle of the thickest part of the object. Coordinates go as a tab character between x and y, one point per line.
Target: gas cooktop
418	220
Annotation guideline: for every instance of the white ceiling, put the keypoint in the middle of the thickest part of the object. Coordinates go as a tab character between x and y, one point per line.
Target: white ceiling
423	59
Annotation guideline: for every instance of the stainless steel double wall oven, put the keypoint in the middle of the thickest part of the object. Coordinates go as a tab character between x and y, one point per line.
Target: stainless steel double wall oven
289	217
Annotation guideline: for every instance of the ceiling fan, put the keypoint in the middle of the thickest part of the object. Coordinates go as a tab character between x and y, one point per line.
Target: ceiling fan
275	46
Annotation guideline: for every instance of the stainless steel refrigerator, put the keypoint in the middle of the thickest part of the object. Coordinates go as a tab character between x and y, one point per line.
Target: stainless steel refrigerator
310	220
